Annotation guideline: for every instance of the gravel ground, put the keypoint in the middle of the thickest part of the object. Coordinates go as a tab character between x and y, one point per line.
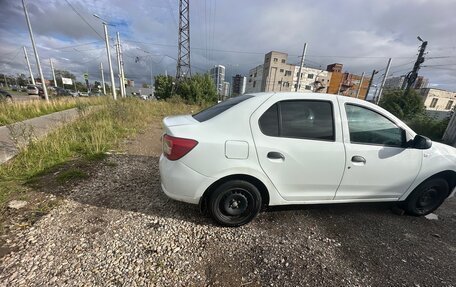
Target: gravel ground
118	229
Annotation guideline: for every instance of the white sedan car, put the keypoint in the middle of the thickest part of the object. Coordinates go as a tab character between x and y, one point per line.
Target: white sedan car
267	149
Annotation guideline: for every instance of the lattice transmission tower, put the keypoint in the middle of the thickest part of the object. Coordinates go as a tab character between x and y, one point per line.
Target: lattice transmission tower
183	60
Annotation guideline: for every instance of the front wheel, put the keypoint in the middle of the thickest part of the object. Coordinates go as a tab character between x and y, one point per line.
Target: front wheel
235	203
427	197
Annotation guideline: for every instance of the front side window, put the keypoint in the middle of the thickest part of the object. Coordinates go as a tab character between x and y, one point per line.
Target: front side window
305	119
369	127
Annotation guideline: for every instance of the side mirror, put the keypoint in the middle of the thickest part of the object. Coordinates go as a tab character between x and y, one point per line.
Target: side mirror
421	142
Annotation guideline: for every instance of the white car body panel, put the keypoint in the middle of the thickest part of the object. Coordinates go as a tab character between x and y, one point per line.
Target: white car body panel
378	177
232	144
312	169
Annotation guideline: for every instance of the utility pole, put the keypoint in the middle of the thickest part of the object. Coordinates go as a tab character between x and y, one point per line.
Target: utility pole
28	65
298	83
370	81
53	73
43	80
360	85
119	64
183	69
411	77
380	91
111	72
102	79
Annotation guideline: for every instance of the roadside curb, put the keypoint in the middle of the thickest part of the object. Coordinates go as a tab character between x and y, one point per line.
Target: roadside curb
20	133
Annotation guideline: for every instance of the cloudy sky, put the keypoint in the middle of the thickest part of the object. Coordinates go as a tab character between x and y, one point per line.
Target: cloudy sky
360	34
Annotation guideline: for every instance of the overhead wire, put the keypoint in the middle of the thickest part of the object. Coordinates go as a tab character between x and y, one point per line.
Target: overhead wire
83	19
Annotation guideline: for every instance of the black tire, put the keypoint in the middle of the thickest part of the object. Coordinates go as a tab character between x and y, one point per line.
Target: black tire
427	197
235	203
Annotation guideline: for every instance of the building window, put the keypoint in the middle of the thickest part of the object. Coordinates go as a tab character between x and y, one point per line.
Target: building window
449	105
310	76
308	87
283	61
255	75
281	70
279	82
287	73
276	60
434	103
254	83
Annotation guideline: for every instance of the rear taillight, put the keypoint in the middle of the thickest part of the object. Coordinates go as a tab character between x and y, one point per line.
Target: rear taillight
175	148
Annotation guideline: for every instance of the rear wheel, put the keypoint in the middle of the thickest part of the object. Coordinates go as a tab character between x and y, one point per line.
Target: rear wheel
427	197
235	203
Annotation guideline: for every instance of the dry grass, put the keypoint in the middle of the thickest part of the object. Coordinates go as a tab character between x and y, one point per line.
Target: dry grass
88	138
19	111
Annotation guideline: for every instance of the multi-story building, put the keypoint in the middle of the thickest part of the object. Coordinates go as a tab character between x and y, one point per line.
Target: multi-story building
255	79
277	74
217	74
312	80
346	84
225	90
398	82
239	85
439	103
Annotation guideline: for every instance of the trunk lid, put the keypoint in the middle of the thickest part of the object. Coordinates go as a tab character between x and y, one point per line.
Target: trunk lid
179	121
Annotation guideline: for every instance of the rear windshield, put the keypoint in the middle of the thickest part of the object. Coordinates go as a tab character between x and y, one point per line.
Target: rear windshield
219	108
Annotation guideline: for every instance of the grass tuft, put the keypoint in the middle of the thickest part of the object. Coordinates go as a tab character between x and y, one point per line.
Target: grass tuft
89	138
71	174
19	111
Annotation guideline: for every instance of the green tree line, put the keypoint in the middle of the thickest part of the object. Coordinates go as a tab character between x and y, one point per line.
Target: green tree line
411	110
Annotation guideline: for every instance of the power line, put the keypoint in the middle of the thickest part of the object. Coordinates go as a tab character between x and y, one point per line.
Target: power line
83	19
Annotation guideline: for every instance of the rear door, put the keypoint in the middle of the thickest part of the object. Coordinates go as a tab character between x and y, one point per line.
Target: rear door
299	144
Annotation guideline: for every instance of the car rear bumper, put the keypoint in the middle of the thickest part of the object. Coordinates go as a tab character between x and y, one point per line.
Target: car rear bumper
182	183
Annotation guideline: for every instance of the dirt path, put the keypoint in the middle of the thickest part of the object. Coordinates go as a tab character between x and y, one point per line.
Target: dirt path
118	229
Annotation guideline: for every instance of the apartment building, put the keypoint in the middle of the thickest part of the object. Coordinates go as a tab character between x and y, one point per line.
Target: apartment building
253	84
347	84
398	82
239	85
277	74
217	74
439	103
312	80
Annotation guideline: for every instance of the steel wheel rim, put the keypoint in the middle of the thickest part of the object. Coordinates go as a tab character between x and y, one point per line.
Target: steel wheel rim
428	200
236	203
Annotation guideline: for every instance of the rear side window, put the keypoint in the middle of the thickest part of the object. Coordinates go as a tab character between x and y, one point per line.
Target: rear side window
304	119
219	108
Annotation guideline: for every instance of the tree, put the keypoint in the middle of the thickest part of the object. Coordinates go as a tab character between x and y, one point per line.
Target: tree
403	107
199	89
163	87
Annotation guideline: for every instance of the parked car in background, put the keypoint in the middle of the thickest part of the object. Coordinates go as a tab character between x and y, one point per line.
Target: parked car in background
32	90
5	96
270	149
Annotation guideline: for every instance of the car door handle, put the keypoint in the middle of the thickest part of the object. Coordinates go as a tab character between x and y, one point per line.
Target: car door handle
358	159
275	155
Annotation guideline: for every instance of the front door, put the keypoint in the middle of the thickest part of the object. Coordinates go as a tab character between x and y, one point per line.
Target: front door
379	166
299	146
